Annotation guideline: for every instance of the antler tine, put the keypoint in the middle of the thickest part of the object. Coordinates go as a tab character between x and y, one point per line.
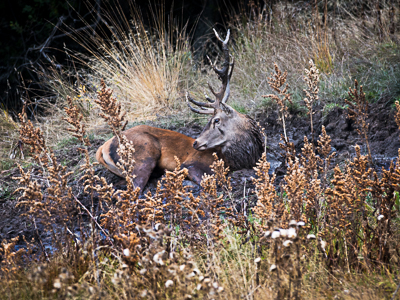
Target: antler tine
227	92
205	111
228	89
232	66
201	104
212	90
225	65
223	73
221	40
208	98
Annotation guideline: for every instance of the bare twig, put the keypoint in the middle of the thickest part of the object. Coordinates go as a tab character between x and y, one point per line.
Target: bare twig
395	292
40	241
94	220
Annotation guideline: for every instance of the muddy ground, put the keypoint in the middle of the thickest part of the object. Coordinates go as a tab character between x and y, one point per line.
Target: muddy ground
383	136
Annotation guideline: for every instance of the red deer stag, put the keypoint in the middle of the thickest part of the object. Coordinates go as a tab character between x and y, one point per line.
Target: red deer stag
235	138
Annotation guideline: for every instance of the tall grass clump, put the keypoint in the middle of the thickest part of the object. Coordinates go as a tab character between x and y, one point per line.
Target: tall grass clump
146	63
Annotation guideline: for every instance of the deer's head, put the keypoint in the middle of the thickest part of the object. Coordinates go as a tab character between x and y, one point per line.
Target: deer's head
225	122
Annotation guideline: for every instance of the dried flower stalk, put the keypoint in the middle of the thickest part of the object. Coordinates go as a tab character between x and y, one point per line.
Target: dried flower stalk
359	113
311	79
277	82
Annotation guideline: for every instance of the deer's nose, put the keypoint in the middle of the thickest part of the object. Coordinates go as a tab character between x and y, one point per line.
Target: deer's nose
194	144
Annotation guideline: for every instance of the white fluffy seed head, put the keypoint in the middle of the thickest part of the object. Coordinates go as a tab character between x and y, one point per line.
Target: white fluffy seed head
380	217
283	232
291	233
143	293
169	283
257	260
272	268
275	234
287	243
57	283
126	252
143	271
311	236
157	257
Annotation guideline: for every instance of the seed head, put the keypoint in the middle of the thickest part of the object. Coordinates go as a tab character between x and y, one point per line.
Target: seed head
169	283
287	243
291	233
57	283
275	234
283	232
311	237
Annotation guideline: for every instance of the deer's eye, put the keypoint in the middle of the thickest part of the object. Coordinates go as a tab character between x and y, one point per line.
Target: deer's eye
216	121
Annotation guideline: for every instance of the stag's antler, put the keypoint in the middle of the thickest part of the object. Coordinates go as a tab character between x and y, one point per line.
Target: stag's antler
224	75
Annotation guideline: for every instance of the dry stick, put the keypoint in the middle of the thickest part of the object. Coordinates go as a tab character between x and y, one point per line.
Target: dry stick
94	220
284	127
40	241
277	269
392	27
298	272
395	292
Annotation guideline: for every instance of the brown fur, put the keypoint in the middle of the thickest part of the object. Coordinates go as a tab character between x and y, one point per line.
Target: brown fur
156	147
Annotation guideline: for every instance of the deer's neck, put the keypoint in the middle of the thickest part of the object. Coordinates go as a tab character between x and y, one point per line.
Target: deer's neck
245	149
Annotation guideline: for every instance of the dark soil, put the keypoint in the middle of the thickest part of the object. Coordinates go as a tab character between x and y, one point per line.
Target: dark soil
383	135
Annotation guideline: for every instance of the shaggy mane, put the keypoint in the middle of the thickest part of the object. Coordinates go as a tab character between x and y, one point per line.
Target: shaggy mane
246	149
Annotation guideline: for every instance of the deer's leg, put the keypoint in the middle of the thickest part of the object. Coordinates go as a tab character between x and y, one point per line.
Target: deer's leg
196	171
147	154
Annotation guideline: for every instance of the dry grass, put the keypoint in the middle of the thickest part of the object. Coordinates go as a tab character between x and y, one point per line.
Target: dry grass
8	141
147	67
343	48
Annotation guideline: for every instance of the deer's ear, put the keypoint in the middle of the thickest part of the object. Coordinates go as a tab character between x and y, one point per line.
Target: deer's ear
226	109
